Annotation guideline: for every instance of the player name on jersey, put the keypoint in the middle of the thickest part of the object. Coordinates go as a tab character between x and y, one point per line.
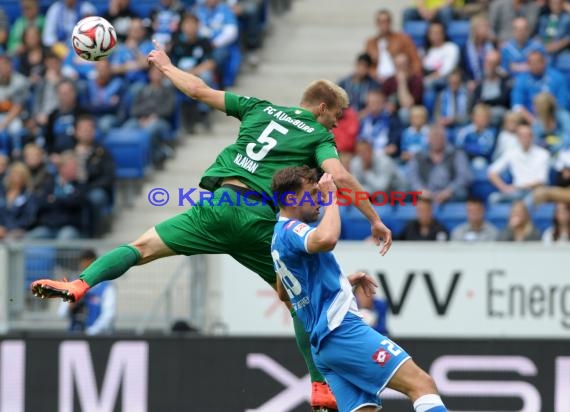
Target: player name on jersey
284	117
246	163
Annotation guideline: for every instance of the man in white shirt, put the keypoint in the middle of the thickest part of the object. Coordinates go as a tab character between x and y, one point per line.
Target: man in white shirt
528	166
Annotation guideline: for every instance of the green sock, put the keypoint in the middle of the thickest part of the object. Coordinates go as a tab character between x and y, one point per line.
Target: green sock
304	346
111	265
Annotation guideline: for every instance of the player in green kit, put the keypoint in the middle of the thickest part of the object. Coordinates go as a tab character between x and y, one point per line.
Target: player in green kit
270	138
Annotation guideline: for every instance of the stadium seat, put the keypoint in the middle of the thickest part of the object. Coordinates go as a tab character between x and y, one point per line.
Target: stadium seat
131	150
417	30
451	214
12	9
354	226
458	32
144	7
498	214
39	263
542	215
402	214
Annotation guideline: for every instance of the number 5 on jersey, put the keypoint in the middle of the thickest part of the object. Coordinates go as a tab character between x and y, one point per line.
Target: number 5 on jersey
266	140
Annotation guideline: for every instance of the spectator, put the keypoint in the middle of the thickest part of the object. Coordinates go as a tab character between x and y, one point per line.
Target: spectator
520	227
4	163
405	89
425	226
153	107
165	19
31	57
384	47
441	58
61	18
218	23
18	207
359	83
44	99
96	169
378	126
4	30
554	28
472	8
478	138
95	314
30	17
503	12
129	59
476	229
345	135
13	94
415	137
250	14
60	212
121	16
41	175
479	45
430	10
493	89
508	139
452	108
527	164
373	310
441	173
194	54
375	171
539	79
103	96
560	229
561	191
32	132
515	52
551	126
61	122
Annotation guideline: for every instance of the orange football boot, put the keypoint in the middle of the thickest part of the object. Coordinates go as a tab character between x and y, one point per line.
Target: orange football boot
322	398
68	291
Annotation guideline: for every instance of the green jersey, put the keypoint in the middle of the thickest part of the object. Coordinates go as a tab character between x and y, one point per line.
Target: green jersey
270	138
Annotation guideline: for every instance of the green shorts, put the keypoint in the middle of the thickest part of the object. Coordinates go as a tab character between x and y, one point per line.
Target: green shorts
243	232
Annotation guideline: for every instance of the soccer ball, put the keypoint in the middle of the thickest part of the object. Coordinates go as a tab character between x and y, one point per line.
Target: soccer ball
93	38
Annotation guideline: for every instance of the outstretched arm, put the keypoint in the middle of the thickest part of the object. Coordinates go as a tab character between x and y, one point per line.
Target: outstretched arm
345	180
187	83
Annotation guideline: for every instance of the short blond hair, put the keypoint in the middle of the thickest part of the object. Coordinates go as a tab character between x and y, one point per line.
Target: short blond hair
420	111
327	92
21	168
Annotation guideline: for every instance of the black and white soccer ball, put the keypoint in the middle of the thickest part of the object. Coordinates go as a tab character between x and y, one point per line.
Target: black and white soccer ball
93	38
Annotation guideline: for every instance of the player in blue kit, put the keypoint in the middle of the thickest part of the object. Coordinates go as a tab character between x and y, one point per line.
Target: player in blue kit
357	361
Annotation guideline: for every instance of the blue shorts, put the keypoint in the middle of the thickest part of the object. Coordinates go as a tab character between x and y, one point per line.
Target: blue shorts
358	362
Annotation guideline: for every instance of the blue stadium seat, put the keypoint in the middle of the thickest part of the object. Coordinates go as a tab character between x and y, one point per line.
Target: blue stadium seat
451	214
39	263
498	214
144	7
12	9
131	150
542	215
354	225
417	30
402	214
458	32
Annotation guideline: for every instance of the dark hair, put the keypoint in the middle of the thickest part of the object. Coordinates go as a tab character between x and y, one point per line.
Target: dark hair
445	36
85	117
291	180
425	199
474	199
88	254
364	58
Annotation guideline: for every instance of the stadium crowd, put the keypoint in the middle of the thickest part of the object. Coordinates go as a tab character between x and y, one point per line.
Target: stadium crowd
64	121
468	104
